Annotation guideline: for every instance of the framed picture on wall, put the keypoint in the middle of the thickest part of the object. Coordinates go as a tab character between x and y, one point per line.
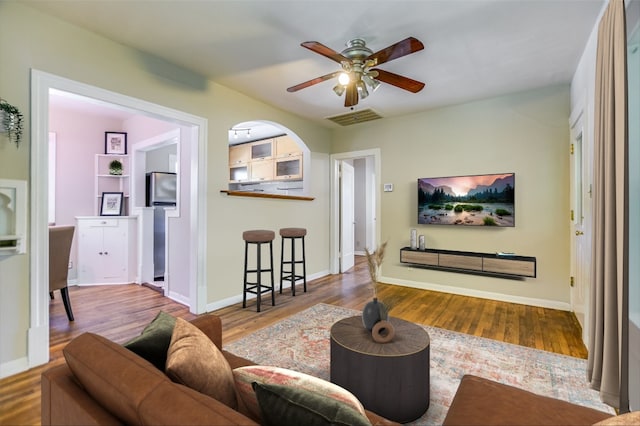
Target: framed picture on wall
111	204
115	143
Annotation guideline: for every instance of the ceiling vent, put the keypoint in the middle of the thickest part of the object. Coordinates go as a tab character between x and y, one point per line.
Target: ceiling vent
355	117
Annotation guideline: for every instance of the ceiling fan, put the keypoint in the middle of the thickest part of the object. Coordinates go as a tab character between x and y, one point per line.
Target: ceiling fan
357	75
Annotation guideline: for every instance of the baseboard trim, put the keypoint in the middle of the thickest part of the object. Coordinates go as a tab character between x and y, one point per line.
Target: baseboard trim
219	304
178	298
14	367
542	303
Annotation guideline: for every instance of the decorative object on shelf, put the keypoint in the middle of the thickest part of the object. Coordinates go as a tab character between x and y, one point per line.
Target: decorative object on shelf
115	143
375	310
13	217
11	122
422	246
111	204
383	331
414	239
115	167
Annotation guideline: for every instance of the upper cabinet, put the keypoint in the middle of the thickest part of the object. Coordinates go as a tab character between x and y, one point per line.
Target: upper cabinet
286	147
239	154
268	160
262	150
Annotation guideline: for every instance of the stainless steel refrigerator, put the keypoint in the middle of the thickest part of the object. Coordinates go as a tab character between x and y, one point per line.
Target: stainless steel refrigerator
161	193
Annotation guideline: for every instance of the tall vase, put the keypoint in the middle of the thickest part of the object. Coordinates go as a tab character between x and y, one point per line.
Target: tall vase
373	312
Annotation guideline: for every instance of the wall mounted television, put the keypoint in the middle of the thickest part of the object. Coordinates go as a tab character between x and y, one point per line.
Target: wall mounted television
475	200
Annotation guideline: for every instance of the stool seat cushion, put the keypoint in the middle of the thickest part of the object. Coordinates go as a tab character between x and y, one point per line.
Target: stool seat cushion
293	232
258	236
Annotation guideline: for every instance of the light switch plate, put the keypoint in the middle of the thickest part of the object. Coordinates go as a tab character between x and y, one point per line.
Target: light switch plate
388	187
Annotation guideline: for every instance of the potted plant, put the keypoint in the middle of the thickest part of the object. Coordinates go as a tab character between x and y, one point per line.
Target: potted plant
115	167
11	121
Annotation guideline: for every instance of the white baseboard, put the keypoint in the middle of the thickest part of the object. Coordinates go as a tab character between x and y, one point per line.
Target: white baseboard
219	304
13	367
178	298
543	303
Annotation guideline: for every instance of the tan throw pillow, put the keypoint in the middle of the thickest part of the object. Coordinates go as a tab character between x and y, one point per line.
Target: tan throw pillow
194	361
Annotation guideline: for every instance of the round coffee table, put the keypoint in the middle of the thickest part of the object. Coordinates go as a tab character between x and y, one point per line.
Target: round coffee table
390	379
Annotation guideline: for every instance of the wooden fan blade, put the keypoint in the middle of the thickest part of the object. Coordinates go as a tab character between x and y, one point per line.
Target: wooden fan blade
325	51
313	81
351	96
402	82
398	50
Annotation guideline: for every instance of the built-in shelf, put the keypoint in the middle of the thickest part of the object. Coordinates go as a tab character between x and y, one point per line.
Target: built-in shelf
492	264
10	244
266	195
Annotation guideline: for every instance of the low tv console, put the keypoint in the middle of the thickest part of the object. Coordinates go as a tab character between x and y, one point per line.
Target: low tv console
492	264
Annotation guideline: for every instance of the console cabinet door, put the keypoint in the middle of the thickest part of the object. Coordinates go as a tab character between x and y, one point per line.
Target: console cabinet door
103	250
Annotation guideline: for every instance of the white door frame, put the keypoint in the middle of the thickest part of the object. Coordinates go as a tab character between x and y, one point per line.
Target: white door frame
334	176
347	216
41	83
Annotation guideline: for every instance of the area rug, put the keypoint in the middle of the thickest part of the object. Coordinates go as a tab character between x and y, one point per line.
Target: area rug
301	342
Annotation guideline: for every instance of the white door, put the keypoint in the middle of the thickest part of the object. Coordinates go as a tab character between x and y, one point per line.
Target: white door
580	214
347	216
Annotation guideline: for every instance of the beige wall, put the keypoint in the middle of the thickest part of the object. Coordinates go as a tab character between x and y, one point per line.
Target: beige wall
29	39
525	133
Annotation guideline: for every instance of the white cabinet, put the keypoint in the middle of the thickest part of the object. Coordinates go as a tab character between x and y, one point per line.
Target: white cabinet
106	250
107	180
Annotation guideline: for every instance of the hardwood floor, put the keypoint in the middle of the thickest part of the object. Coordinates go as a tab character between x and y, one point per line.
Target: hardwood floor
121	312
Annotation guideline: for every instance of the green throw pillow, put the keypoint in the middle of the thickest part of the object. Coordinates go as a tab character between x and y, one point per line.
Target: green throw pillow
154	341
287	406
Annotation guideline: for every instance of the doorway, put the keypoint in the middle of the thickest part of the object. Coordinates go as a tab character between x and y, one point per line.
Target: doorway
159	154
195	127
580	217
367	165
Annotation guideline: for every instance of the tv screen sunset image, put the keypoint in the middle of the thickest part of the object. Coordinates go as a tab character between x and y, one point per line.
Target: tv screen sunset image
477	200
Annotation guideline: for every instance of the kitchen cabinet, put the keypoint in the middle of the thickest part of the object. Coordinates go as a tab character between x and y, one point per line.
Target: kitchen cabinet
107	181
239	173
239	154
261	171
262	149
106	250
286	147
268	160
288	168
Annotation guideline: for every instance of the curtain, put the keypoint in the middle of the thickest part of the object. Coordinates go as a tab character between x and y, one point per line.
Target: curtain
607	367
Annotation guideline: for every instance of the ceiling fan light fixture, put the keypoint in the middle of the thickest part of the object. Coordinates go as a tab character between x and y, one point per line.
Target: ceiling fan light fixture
339	89
371	82
362	89
344	79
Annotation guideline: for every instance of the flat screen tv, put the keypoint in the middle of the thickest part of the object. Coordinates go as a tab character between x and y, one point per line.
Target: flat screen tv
476	200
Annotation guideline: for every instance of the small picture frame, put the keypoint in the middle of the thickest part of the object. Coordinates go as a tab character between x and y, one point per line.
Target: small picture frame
115	143
111	204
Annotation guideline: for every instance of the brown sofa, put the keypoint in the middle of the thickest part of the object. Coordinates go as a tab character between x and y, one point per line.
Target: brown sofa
479	401
119	387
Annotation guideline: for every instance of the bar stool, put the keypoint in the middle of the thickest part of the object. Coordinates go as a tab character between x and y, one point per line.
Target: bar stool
292	234
257	237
